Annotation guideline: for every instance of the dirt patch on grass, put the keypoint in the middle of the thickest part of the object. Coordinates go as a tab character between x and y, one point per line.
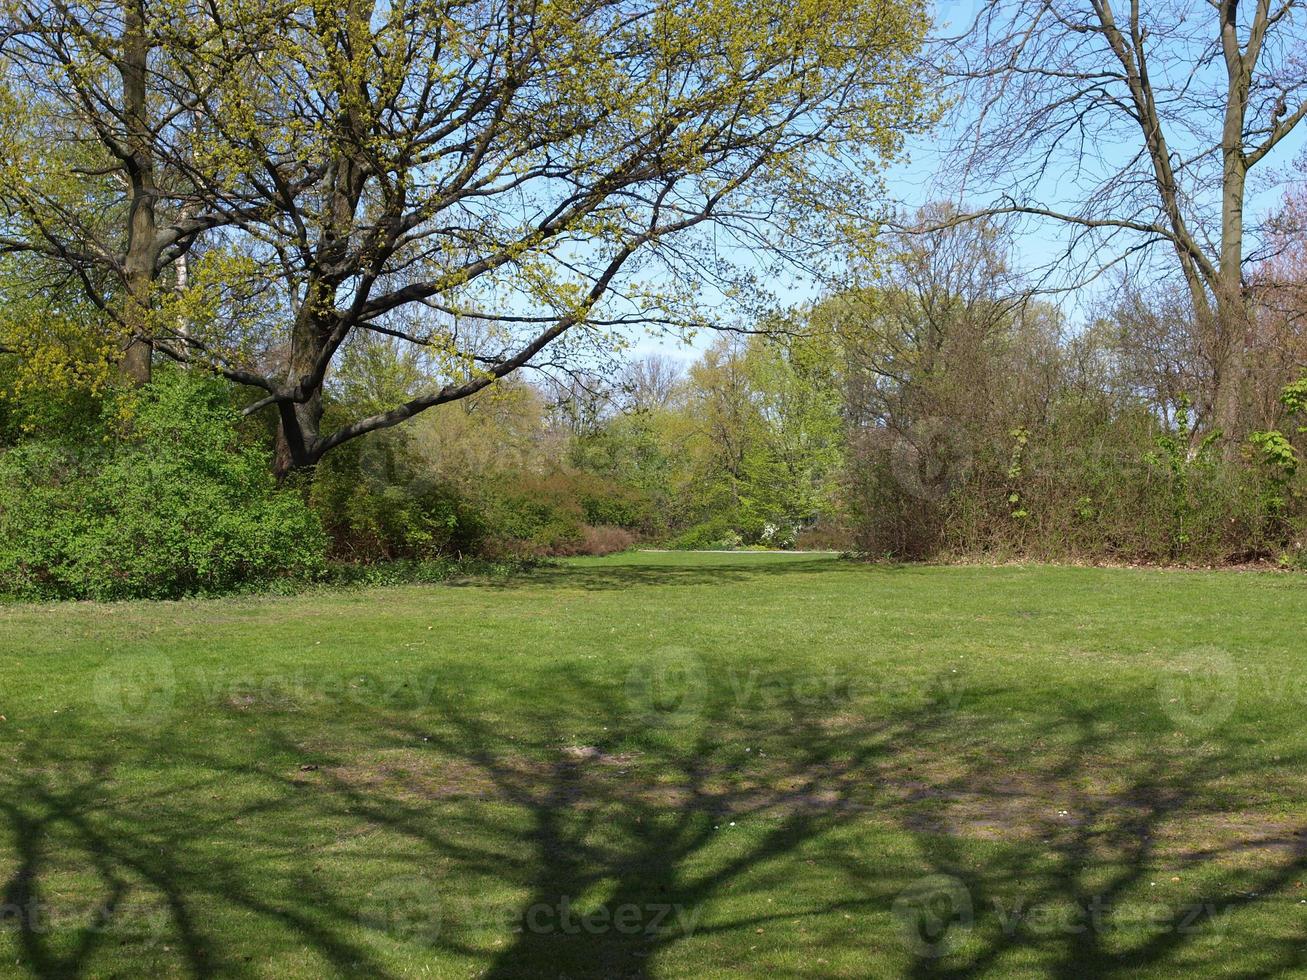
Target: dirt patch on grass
1104	815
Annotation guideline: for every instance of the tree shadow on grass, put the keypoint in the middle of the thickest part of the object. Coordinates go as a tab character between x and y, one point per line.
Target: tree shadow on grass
141	887
1081	894
700	831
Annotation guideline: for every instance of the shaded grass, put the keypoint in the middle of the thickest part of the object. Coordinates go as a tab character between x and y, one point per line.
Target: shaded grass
664	765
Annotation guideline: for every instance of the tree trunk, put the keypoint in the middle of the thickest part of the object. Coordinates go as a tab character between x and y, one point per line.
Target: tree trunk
1232	312
1228	409
299	443
1230	333
298	425
138	264
135	365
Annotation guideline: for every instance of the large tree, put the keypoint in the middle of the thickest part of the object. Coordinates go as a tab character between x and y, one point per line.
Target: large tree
1135	126
486	179
103	179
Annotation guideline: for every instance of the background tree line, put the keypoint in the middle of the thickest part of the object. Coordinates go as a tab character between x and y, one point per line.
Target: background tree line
938	409
288	290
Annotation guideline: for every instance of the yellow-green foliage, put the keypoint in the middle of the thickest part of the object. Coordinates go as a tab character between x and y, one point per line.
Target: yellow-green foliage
500	163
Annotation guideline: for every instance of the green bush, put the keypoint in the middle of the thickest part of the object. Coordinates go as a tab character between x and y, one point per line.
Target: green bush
608	504
712	535
177	506
565	513
1295	556
381	501
536	523
378	502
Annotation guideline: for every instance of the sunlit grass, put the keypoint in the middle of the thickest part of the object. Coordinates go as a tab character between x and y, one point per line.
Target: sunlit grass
664	765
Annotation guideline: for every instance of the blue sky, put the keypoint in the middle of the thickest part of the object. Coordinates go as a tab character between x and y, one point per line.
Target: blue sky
914	180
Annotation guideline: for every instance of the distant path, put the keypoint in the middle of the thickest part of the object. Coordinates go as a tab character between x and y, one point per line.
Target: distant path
733	551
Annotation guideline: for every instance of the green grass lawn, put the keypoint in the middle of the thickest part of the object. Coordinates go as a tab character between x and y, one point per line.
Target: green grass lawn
665	765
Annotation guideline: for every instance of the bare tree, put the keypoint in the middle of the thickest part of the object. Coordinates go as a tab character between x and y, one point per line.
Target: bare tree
579	402
651	382
1280	297
920	338
1155	347
1137	127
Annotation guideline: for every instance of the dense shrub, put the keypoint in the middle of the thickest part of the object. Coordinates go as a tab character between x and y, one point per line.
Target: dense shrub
379	502
606	540
713	535
1117	489
565	513
176	505
824	537
427	571
391	496
604	503
1295	556
530	523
